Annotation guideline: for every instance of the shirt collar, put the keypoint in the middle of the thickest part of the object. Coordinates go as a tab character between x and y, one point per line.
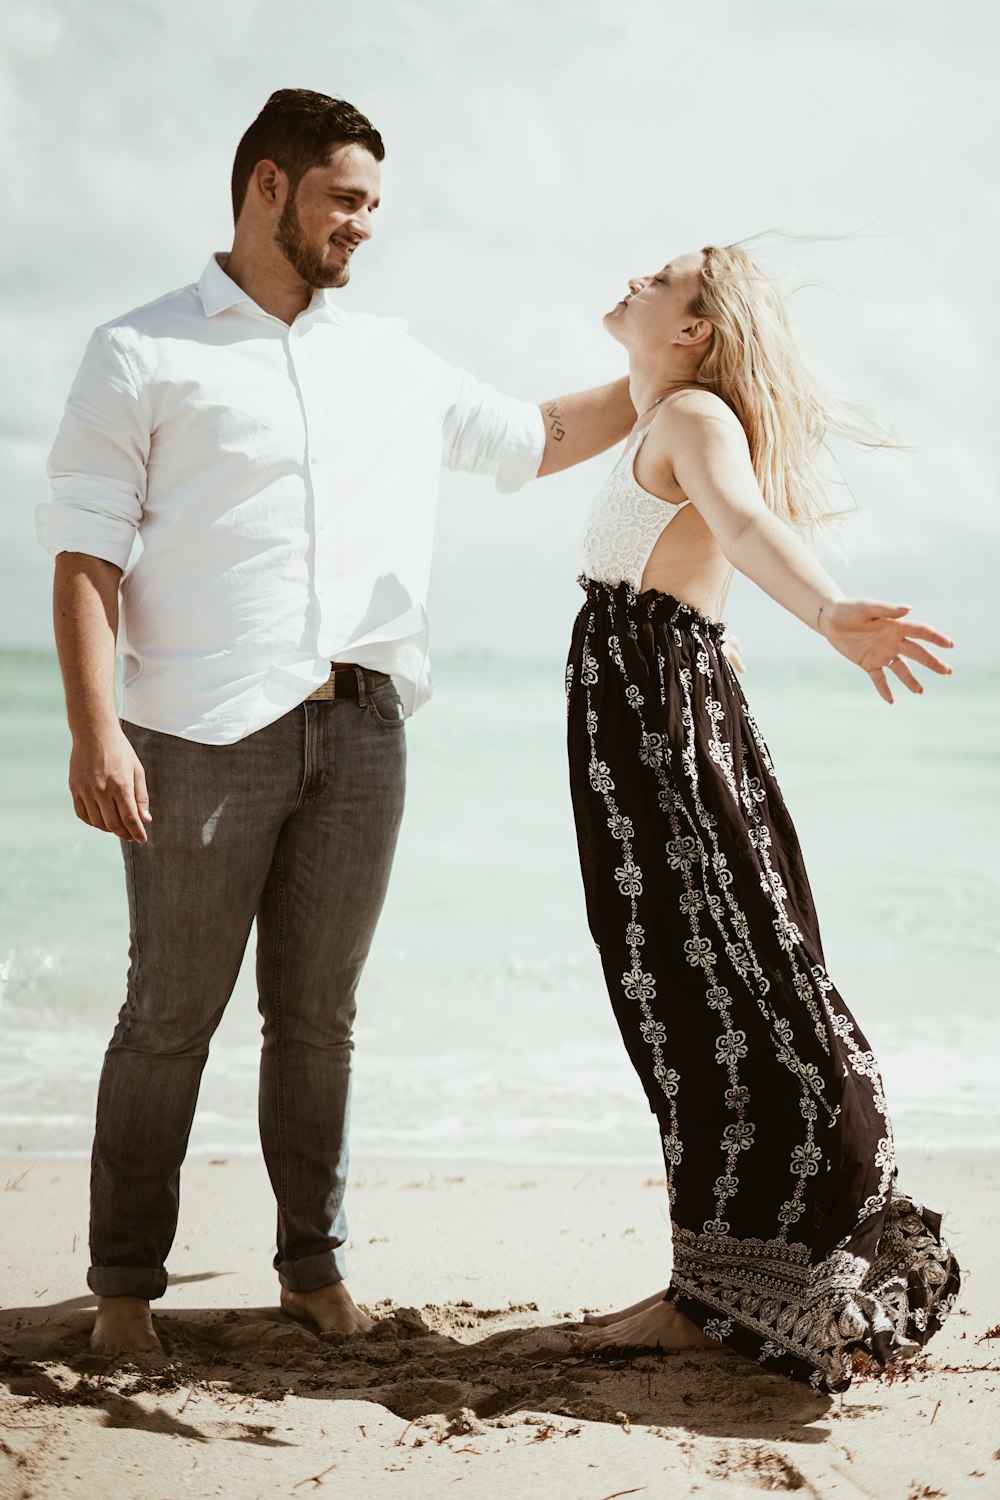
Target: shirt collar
218	292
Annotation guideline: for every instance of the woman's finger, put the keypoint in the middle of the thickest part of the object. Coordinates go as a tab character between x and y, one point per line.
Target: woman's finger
916	631
880	685
881	609
925	658
899	669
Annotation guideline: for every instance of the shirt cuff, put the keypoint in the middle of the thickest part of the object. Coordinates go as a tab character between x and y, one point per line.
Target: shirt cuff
523	450
62	528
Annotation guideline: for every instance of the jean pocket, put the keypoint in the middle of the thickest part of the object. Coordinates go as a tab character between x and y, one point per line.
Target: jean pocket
385	706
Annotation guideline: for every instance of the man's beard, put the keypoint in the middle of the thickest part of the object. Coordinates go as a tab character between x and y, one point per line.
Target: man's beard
301	256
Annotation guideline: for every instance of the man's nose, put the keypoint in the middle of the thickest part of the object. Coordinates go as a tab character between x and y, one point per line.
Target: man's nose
361	221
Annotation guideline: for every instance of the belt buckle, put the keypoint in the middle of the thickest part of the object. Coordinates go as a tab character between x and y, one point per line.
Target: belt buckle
369	681
326	691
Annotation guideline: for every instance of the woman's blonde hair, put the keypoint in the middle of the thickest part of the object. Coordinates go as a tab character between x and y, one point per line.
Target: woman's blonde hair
754	365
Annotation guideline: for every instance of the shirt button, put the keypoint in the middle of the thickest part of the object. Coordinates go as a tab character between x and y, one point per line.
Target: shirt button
314	461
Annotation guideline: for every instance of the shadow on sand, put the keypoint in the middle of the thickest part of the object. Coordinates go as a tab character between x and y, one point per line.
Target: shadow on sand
412	1363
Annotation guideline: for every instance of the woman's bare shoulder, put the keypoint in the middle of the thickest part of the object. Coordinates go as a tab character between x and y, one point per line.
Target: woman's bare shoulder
696	402
691	415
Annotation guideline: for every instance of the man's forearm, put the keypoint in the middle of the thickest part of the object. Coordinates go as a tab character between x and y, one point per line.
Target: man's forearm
106	778
585	424
85	611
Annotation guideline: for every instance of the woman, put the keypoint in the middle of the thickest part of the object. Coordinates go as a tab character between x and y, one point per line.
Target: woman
790	1243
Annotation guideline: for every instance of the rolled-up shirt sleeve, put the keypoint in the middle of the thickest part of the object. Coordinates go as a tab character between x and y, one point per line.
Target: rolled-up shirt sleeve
97	466
486	432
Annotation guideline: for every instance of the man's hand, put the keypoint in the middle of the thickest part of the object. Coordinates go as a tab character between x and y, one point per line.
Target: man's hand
108	785
105	777
876	637
733	653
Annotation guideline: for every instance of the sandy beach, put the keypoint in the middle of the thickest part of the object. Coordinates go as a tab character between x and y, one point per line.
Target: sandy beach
471	1384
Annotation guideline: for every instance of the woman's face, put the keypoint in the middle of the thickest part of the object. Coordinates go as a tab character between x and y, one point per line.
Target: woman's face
658	308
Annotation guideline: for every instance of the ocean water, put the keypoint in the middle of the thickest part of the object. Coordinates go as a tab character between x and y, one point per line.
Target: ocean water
484	1029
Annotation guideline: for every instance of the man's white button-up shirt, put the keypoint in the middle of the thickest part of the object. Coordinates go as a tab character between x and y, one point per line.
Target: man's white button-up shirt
283	483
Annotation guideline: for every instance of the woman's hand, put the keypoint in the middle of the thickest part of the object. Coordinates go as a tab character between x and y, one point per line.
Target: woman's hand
876	638
697	443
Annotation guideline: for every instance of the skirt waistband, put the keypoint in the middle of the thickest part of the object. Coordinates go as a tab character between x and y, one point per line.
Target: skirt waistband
652	603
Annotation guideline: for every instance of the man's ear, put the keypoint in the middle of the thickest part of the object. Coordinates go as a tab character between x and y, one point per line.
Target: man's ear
692	334
269	184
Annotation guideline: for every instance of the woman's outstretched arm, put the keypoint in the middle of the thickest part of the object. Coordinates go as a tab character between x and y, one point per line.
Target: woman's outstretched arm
707	450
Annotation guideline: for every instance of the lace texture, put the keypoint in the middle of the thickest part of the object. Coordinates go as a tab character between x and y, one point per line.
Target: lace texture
623	524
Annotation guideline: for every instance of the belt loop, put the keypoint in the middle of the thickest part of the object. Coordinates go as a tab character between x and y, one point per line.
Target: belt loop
362	695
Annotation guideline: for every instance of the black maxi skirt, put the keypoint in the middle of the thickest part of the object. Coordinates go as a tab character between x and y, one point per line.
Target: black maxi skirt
791	1242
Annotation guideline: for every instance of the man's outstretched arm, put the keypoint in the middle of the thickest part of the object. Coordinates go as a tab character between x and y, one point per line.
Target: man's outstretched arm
584	424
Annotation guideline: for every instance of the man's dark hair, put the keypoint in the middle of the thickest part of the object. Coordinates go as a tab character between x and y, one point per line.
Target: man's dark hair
298	129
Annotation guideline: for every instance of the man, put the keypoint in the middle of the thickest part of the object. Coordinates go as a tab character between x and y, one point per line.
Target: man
279	460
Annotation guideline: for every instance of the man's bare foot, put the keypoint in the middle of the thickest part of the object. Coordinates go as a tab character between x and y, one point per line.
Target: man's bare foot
330	1308
659	1326
602	1320
124	1325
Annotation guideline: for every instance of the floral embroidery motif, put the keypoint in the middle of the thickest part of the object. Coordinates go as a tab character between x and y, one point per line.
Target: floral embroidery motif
689	859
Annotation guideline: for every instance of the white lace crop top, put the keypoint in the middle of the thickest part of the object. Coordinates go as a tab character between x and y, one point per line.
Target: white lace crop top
624	522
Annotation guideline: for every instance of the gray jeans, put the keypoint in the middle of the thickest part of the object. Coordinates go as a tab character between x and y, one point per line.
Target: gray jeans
294	826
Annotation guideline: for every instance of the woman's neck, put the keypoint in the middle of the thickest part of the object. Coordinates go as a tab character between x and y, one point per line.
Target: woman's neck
649	383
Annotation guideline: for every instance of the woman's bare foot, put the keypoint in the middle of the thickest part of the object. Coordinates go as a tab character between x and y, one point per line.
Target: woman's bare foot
657	1326
330	1308
124	1325
602	1320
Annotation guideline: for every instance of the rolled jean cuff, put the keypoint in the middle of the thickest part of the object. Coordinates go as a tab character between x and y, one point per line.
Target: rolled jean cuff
127	1281
314	1271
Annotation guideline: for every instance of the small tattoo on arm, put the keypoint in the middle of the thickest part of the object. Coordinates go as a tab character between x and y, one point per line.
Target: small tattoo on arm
556	427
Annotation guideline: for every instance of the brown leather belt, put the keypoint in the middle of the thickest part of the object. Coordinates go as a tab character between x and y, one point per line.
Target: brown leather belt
345	681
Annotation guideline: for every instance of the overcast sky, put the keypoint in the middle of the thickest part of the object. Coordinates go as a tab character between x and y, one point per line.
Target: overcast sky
538	152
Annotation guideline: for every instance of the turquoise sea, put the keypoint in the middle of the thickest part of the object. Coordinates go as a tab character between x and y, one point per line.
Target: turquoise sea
484	1029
